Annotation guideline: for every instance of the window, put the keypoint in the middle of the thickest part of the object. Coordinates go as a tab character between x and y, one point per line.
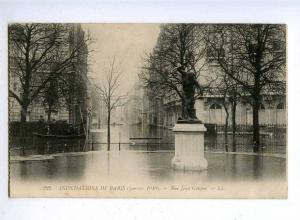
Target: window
261	107
215	106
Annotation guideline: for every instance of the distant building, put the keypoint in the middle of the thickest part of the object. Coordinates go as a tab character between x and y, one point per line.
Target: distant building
165	109
272	109
135	109
97	108
165	113
78	105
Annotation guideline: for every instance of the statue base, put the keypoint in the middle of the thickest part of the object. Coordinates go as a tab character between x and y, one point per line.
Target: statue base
189	146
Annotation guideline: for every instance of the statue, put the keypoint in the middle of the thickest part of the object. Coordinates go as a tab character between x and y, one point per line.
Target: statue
189	131
189	86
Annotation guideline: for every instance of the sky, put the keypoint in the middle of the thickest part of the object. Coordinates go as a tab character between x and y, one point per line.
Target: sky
128	43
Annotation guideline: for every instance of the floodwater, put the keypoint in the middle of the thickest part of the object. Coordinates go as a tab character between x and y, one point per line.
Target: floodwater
123	137
139	161
133	166
139	138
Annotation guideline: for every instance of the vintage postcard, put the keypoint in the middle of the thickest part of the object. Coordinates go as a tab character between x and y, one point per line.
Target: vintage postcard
181	110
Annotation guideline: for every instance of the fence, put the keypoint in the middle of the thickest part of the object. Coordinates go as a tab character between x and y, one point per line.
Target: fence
273	140
81	146
277	129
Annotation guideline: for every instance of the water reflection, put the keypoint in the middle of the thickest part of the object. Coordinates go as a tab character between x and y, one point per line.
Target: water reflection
243	143
134	137
257	166
76	161
135	167
63	167
138	137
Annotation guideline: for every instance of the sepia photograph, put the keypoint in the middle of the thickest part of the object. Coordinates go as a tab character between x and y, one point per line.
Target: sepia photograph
147	110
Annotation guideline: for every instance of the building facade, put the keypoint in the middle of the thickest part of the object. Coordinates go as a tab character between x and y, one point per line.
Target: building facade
165	109
135	107
210	110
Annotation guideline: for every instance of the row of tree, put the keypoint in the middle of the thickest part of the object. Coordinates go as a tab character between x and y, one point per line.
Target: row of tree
44	63
242	61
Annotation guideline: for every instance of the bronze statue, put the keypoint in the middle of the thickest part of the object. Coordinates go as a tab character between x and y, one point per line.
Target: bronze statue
189	86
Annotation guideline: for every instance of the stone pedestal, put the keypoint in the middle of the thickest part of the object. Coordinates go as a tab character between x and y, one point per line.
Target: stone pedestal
189	147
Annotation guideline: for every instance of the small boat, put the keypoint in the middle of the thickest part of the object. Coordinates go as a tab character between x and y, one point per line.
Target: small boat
58	136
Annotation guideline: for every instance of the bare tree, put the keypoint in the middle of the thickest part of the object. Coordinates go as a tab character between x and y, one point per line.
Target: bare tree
179	50
220	56
229	93
253	56
110	92
38	54
51	98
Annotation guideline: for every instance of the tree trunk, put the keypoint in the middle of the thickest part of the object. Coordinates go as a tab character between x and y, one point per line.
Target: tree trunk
256	147
23	113
233	112
23	129
226	128
108	130
49	114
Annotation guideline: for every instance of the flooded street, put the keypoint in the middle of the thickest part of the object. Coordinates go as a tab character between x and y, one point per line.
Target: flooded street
125	137
139	155
153	166
135	168
138	137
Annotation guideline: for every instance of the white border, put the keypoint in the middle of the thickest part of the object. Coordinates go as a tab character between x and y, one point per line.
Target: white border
156	11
